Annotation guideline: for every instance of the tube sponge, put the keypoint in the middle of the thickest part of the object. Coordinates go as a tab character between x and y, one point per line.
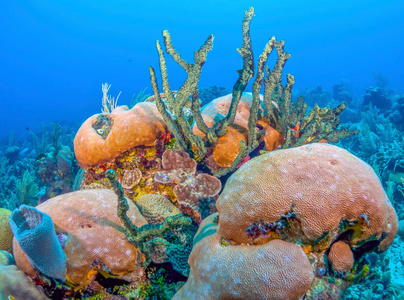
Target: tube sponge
36	235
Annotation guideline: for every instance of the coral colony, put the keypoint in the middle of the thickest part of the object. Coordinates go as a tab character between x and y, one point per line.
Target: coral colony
243	198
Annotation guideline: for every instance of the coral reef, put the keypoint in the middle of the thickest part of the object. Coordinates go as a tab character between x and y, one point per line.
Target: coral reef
279	269
309	197
297	220
156	208
212	92
385	278
38	172
91	237
166	241
227	147
377	97
341	92
341	257
286	116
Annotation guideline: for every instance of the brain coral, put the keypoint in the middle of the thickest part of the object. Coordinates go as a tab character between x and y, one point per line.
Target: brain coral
6	236
278	215
141	125
227	146
321	185
92	236
277	268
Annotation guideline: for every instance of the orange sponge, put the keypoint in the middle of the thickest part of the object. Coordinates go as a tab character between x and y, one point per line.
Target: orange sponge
141	125
227	146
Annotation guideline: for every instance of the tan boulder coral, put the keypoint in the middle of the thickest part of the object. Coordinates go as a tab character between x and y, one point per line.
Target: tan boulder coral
227	146
103	137
92	236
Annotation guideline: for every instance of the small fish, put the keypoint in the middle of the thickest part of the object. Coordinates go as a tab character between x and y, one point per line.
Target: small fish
27	128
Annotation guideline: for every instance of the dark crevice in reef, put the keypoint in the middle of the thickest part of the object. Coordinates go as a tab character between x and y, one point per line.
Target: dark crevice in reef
103	125
365	248
288	228
172	276
110	283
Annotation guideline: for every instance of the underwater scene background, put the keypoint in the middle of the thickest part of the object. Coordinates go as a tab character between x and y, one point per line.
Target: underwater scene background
136	169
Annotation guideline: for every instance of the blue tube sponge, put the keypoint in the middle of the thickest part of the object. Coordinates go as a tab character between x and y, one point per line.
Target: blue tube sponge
37	237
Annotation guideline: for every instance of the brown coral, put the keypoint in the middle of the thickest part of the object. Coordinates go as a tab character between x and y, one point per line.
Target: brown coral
227	146
130	178
91	234
321	185
177	159
141	125
197	190
341	257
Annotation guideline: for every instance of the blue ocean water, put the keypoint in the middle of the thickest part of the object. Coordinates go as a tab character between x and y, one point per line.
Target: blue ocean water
56	55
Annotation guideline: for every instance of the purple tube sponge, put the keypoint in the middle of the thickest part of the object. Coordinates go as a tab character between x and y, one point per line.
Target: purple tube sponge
37	237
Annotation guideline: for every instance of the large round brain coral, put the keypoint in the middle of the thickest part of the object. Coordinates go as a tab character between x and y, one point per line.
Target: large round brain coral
92	236
325	188
287	208
103	137
276	270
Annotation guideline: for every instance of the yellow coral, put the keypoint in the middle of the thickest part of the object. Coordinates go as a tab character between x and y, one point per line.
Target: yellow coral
6	236
150	153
